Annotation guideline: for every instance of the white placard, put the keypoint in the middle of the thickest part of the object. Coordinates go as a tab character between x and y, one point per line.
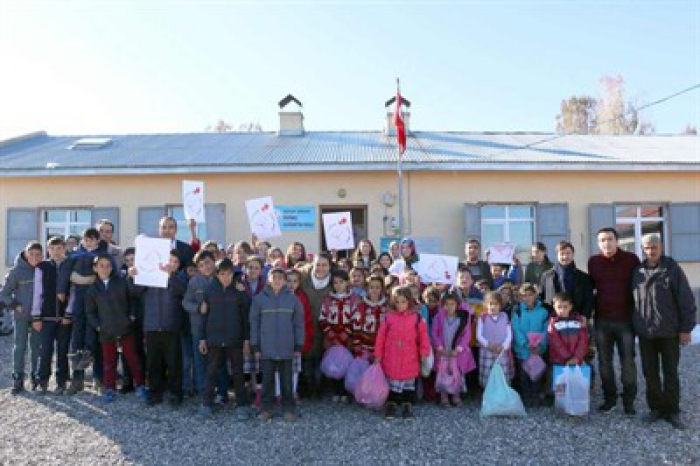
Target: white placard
262	218
501	253
436	268
152	254
338	229
193	200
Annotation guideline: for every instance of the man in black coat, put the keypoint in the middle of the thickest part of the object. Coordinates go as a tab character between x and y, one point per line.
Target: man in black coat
565	277
168	229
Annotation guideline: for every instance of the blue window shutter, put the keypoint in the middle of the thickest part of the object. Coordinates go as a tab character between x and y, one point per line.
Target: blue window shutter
22	227
599	216
685	231
109	213
472	222
552	225
216	223
149	218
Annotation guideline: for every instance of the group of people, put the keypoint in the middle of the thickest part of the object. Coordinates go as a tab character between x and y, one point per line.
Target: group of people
260	319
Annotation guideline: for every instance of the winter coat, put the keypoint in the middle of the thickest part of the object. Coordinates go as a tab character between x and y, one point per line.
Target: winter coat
109	309
226	321
19	288
582	292
80	263
336	319
664	303
460	344
162	307
401	344
193	299
534	271
567	338
365	324
309	331
276	324
45	305
525	321
612	280
316	298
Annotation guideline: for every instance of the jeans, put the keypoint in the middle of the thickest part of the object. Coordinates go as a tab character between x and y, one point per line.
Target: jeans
109	352
84	336
200	370
609	335
25	334
127	378
312	373
164	355
54	333
215	357
269	368
189	381
663	397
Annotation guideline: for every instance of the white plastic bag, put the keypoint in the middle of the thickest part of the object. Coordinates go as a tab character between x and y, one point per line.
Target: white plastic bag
427	366
572	394
695	335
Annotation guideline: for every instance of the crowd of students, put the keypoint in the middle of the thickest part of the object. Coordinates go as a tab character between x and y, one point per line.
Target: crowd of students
260	319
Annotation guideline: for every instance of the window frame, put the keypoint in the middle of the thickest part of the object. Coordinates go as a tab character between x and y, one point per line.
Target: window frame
637	221
43	224
507	220
184	226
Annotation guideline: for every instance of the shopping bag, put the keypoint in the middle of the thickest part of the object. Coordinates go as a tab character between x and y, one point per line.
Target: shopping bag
449	378
535	367
558	369
573	392
427	366
372	390
358	366
499	398
336	361
695	335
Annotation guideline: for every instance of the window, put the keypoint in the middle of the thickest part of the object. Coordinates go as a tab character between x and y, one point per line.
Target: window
64	222
632	222
183	227
509	224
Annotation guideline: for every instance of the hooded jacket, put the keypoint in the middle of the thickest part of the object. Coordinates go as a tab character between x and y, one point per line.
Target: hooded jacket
226	321
19	287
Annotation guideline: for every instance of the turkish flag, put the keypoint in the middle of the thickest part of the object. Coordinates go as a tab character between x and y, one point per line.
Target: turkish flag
399	124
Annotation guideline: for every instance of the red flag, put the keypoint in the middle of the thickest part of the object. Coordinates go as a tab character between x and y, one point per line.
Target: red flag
398	123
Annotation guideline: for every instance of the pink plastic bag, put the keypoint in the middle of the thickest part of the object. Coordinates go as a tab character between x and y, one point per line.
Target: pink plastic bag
449	378
357	367
534	338
335	362
372	390
534	367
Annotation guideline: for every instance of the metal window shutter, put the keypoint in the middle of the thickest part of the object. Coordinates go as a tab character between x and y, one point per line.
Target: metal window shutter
552	225
22	227
685	231
599	216
149	217
216	223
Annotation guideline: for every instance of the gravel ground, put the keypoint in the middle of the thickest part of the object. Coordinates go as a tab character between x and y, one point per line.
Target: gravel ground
78	430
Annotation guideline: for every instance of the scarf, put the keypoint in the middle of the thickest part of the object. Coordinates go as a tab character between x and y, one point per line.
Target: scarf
320	283
565	275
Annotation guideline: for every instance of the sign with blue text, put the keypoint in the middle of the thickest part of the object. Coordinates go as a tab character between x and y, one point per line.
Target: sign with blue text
296	217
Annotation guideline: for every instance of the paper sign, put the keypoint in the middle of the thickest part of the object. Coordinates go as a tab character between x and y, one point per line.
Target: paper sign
501	253
151	255
193	200
263	218
338	229
436	268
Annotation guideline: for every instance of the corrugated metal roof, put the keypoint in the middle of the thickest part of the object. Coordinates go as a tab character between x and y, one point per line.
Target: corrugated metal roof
331	150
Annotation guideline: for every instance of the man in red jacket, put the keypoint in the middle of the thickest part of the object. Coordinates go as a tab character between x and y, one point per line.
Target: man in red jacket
611	272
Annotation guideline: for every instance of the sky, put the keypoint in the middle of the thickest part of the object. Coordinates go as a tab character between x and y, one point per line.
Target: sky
149	66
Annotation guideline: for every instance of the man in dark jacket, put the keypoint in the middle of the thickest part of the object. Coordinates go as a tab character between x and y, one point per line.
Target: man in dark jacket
167	228
663	318
225	333
565	277
277	337
611	272
480	269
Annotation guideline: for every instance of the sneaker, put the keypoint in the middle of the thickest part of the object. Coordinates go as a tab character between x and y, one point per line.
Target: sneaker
60	389
390	411
265	416
407	411
18	386
35	384
43	388
335	399
75	358
289	416
242	413
607	407
205	412
344	399
629	410
108	397
76	386
98	387
142	393
85	361
126	388
652	417
675	421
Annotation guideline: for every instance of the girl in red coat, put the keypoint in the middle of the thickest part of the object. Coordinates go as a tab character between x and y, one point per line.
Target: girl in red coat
335	321
401	345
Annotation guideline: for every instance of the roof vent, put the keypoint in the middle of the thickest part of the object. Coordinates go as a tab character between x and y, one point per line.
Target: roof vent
389	128
91	143
291	121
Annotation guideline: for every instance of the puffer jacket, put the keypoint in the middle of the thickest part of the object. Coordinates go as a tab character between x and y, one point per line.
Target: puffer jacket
226	321
401	344
664	303
276	324
525	321
109	308
19	288
193	300
162	307
567	338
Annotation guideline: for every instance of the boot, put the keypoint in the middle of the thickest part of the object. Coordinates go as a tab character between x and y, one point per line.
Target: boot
76	386
18	386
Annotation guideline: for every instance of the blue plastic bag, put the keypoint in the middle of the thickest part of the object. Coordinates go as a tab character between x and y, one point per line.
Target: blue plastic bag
335	362
499	399
357	367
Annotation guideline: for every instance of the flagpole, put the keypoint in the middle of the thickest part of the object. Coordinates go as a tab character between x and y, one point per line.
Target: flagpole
400	173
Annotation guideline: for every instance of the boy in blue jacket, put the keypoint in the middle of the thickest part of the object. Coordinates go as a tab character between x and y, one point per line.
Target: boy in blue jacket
225	335
530	317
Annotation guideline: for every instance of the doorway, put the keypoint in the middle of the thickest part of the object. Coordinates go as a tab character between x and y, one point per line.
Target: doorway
359	224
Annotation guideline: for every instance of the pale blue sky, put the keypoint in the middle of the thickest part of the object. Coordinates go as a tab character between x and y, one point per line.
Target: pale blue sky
96	67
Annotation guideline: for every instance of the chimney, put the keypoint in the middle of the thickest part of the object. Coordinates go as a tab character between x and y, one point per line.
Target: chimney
291	120
390	105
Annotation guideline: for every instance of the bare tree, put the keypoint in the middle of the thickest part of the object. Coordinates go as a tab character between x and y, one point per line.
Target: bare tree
223	127
690	130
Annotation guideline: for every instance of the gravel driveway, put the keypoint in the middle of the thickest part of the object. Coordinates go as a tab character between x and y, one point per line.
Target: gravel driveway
63	430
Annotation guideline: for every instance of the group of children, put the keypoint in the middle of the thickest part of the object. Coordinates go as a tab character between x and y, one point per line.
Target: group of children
261	320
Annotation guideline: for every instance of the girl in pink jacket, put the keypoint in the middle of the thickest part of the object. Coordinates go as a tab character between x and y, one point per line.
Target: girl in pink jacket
452	333
402	343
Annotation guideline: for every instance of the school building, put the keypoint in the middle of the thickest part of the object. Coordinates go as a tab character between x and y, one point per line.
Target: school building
516	187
